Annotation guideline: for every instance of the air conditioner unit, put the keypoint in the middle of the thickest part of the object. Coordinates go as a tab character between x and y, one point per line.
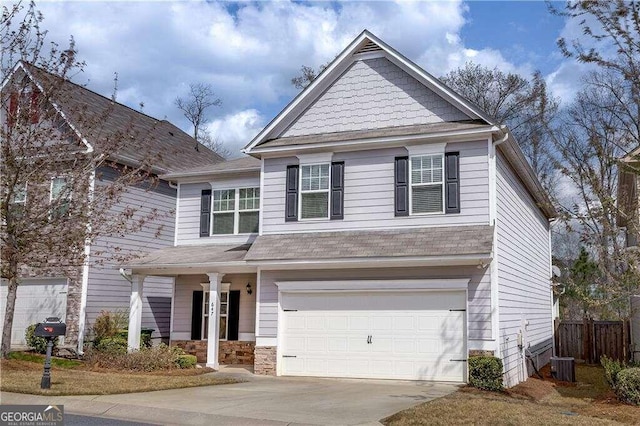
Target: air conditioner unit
563	369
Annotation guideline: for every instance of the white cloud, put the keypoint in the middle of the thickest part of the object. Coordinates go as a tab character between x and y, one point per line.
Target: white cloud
237	129
247	51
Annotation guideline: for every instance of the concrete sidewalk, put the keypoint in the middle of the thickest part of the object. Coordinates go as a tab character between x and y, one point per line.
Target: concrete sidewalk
259	401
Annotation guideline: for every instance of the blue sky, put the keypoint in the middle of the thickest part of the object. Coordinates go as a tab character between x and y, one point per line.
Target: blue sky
249	51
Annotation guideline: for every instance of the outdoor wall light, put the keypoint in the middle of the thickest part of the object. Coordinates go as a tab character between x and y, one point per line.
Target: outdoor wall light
249	290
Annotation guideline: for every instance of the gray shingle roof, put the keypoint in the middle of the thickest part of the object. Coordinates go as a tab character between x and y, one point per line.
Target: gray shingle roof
99	118
417	242
191	255
424	129
244	164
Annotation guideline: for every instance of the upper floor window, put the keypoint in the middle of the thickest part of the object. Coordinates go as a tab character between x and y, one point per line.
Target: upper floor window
427	183
60	196
314	191
236	211
19	194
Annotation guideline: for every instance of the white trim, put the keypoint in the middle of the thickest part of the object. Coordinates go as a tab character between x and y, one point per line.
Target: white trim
279	333
246	337
314	159
372	285
173	310
426	149
85	270
257	322
261	211
180	335
493	268
266	341
383	142
236	210
332	72
177	221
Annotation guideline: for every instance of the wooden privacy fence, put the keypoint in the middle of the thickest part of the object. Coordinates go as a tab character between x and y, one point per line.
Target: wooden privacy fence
588	340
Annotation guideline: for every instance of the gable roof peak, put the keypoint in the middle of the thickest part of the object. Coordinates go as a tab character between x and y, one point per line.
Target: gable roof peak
365	43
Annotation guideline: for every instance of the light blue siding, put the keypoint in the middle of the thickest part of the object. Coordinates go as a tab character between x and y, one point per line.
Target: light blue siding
369	192
107	289
523	256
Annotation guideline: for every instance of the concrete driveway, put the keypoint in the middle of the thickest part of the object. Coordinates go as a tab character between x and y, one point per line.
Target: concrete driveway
259	401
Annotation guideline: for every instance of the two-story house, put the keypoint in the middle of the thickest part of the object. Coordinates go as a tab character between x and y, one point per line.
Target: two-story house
381	227
86	120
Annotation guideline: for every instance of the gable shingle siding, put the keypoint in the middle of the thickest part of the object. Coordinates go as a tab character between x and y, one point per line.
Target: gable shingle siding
373	94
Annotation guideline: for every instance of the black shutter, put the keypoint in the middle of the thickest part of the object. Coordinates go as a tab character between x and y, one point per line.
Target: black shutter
233	314
452	182
205	212
402	186
196	315
337	190
291	195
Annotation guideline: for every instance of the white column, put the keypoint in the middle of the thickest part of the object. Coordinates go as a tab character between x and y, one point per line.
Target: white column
135	313
213	336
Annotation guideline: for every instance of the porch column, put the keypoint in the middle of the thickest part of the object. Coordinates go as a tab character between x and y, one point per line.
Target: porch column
135	313
213	336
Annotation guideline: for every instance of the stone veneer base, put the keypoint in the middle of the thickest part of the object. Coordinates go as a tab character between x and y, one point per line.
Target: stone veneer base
230	352
265	360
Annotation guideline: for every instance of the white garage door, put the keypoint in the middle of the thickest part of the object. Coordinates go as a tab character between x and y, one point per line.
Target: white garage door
402	335
36	300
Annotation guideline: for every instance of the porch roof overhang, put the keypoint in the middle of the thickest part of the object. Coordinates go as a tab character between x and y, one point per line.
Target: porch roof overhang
455	245
193	259
435	246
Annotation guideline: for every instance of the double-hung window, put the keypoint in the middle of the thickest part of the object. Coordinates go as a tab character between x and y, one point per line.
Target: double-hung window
427	183
59	196
248	210
224	202
236	211
314	191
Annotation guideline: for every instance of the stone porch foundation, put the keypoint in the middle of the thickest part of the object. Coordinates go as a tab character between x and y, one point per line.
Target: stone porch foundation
230	352
265	363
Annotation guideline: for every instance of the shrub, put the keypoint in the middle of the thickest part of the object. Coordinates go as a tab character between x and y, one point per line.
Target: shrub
38	344
485	372
628	385
161	357
112	345
108	324
611	370
186	361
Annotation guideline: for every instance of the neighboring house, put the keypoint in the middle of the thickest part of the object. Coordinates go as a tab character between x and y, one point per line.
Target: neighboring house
629	218
384	228
78	295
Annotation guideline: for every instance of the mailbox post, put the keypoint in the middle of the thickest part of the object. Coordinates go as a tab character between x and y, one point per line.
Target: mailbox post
51	329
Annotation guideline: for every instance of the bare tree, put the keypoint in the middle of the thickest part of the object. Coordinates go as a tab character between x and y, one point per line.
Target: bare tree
214	144
524	105
201	97
588	145
307	75
54	198
611	41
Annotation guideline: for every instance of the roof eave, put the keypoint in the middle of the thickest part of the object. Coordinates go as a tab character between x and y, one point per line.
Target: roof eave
381	142
178	175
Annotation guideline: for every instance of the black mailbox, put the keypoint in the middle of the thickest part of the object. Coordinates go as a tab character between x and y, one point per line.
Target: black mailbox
52	327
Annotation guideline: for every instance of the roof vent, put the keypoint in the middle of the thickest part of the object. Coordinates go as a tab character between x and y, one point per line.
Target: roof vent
369	46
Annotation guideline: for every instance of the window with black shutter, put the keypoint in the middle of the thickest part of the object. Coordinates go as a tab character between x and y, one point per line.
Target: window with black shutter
205	212
291	194
402	186
337	190
452	182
